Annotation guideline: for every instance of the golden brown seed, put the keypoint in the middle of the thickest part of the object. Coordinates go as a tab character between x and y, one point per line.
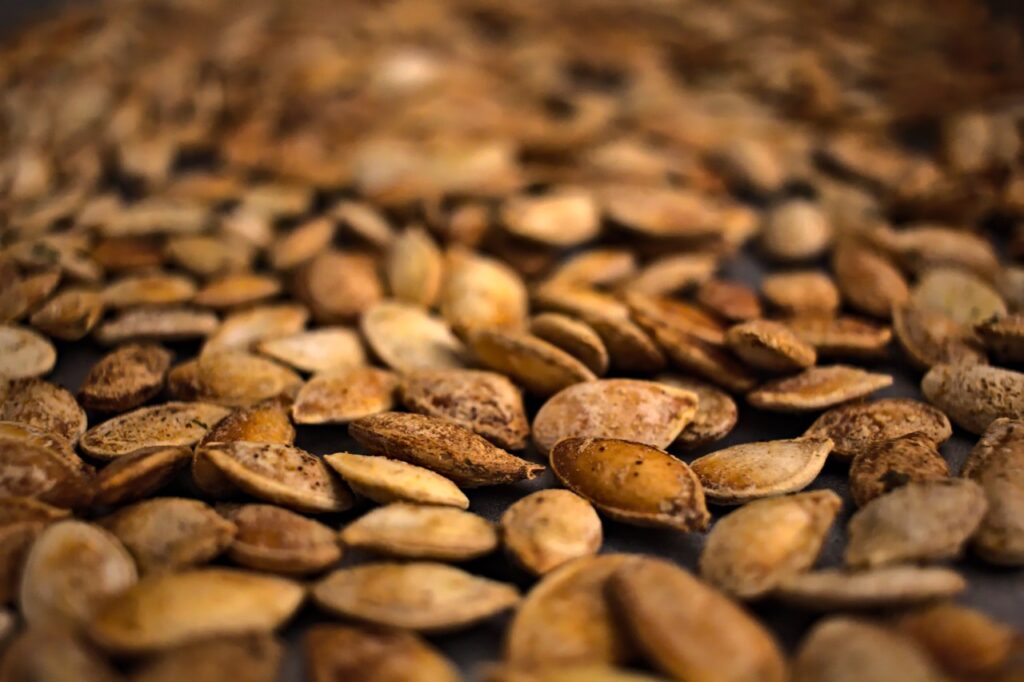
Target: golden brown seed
841	337
557	672
562	218
750	471
38	287
30	469
817	388
676	314
338	287
573	336
442	446
595	267
277	199
690	630
801	293
154	289
57	655
26	509
239	379
246	658
168	424
975	395
16	538
237	289
20	431
869	282
660	212
923	246
796	230
673	273
548	528
405	337
171	609
995	464
716	412
125	378
481	293
69	315
345	652
963	297
421	596
858	426
156	324
965	642
301	244
729	300
415	268
207	256
364	222
930	337
242	330
43	406
139	474
24	353
871	588
386	480
755	548
265	422
277	540
341	396
771	346
916	522
1003	337
631	482
317	350
414	531
887	465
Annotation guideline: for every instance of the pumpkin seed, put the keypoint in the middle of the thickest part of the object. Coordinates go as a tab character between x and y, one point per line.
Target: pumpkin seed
277	540
338	287
56	655
343	652
841	337
125	378
264	422
676	314
770	346
415	268
150	289
239	379
442	446
887	465
916	522
995	464
626	409
482	293
13	301
817	388
128	253
690	630
16	539
801	293
210	256
631	482
43	406
930	337
156	324
1003	337
549	528
729	300
630	348
171	609
37	288
595	267
673	273
965	642
316	350
869	282
573	336
169	424
963	297
249	658
156	215
715	417
406	337
562	218
341	396
139	474
26	509
30	469
237	289
386	480
413	531
24	353
796	230
750	471
583	672
242	330
421	596
71	569
858	426
757	547
364	221
280	474
301	244
975	395
277	199
872	588
663	213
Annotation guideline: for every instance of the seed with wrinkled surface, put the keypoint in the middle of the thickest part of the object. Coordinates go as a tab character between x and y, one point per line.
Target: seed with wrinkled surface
872	588
71	570
540	367
125	378
575	337
246	658
963	297
69	315
817	388
55	655
167	424
341	396
841	337
801	293
386	480
753	549
415	268
716	412
139	474
49	475
548	528
887	465
156	324
317	350
627	409
442	446
930	337
750	471
277	540
171	609
237	289
997	464
688	629
631	482
242	330
24	353
43	406
1003	337
975	395
857	426
344	652
796	230
238	379
916	522
965	642
421	596
414	531
771	346
869	281
405	337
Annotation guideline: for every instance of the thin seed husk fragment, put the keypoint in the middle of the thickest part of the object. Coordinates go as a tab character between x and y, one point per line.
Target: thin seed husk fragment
631	482
139	474
975	395
54	655
415	268
539	366
149	289
575	337
755	548
716	412
415	531
770	346
244	329
277	540
237	289
549	528
167	610
841	337
1003	337
317	350
487	403
627	409
442	446
386	480
870	283
24	353
156	324
872	588
345	652
885	466
69	315
859	425
245	658
962	296
917	522
406	337
689	630
817	388
239	379
997	464
170	424
56	477
341	396
421	596
125	378
930	337
43	406
750	471
801	293
964	641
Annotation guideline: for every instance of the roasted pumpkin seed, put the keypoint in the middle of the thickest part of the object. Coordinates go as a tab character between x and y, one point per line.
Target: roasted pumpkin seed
301	244
317	350
30	469
386	480
405	337
156	324
414	531
887	465
150	289
24	353
817	388
995	464
341	396
264	422
841	337
869	282
796	230
242	330
43	406
125	378
342	652
549	528
729	300
240	379
56	655
872	588
965	642
975	395
801	293
338	287
249	658
963	297
858	426
71	314
237	289
277	540
715	417
139	474
562	218
930	337
169	424
573	336
770	346
1003	337
541	367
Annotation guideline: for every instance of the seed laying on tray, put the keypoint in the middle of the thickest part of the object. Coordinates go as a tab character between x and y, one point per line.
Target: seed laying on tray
415	531
139	474
975	395
317	350
871	588
169	424
277	540
548	528
70	315
345	652
386	480
997	464
540	367
341	396
125	378
246	658
406	337
415	268
887	465
43	406
817	388
771	346
24	353
575	337
750	471
857	426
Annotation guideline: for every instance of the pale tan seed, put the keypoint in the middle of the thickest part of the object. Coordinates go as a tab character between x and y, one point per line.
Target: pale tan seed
930	337
239	379
627	409
156	215
868	281
482	293
857	426
801	293
716	412
887	465
631	482
442	446
575	337
562	218
841	337
125	378
139	474
917	522
365	222
679	315
317	350
386	480
415	531
420	596
277	540
56	655
20	431
50	475
341	396
750	471
579	300
817	388
149	289
541	367
729	300
963	297
630	348
405	337
24	353
244	329
920	247
669	274
278	199
208	256
415	268
237	289
796	230
759	546
770	346
339	286
345	652
549	528
997	464
569	672
975	395
1003	337
43	406
65	252
871	588
301	244
172	609
170	424
245	658
156	324
964	641
38	288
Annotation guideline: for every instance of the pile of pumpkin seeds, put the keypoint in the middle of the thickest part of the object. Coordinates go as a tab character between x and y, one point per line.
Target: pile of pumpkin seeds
282	284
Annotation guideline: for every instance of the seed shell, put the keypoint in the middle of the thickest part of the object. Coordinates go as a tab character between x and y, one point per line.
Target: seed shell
997	464
801	293
148	290
69	315
338	287
405	337
873	588
19	431
125	378
750	471
963	297
540	367
414	531
15	510
237	289
29	469
344	652
24	353
886	466
249	658
139	474
1003	337
16	539
563	218
341	396
277	540
415	268
795	230
386	480
549	528
817	388
156	324
55	655
575	337
264	422
715	417
317	350
301	244
870	283
556	672
930	337
240	379
841	337
975	395
770	346
857	426
169	424
42	406
242	330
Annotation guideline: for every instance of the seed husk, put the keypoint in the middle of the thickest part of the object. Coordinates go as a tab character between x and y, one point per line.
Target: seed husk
71	570
149	289
770	346
415	268
30	469
239	379
139	474
549	528
872	588
242	330
631	482
965	642
169	424
659	213
24	353
562	218
916	522
729	300
43	406
246	658
171	609
677	314
885	466
405	337
856	426
344	652
264	422
386	480
796	230
486	403
573	336
301	244
341	396
569	672
55	655
442	446
540	367
975	395
715	417
963	297
208	256
841	337
237	289
997	464
277	540
801	293
69	315
688	629
566	618
156	324
930	337
338	287
125	378
750	471
415	531
317	350
280	474
921	247
759	546
421	596
870	283
627	409
817	388
630	348
1003	337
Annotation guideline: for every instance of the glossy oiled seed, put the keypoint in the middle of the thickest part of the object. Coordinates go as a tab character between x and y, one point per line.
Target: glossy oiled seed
540	367
964	641
277	540
24	353
857	426
887	465
405	337
341	396
139	474
415	531
43	406
343	652
770	346
174	423
930	337
715	417
817	388
975	395
548	528
997	464
125	378
415	268
575	337
317	350
246	658
872	588
750	471
386	480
